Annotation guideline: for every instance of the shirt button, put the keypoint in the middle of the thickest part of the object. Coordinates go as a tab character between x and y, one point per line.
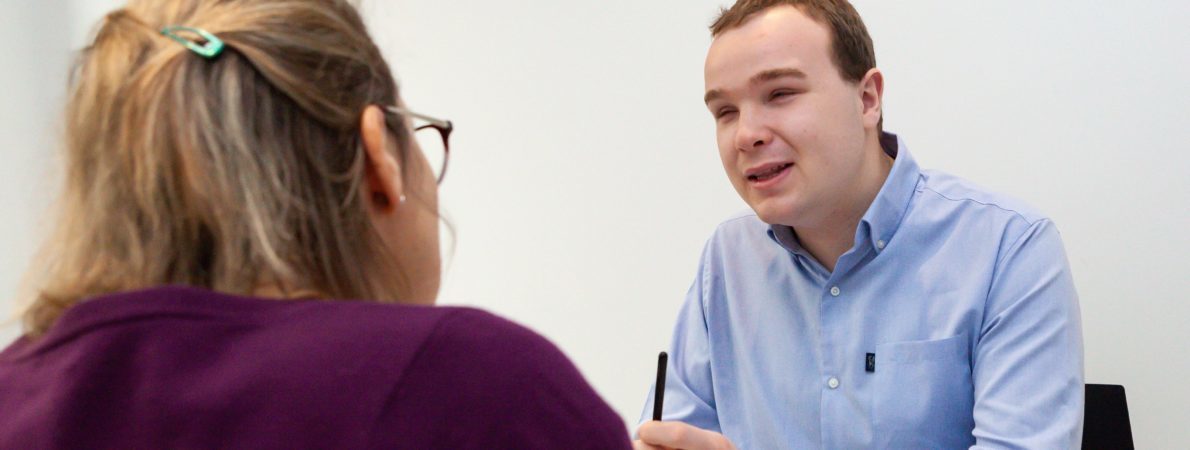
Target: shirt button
833	383
880	245
835	291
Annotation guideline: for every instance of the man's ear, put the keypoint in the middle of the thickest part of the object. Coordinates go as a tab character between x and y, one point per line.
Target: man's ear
871	92
383	186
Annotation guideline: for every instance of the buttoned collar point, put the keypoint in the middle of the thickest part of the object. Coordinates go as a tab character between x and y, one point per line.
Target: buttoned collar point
885	214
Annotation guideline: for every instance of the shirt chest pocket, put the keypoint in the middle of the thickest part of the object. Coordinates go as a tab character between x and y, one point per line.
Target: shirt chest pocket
923	394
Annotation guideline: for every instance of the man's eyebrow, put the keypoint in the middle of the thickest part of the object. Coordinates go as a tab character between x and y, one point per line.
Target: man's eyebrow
712	95
767	75
773	74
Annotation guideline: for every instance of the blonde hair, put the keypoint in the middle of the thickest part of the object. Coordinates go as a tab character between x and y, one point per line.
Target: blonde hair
226	173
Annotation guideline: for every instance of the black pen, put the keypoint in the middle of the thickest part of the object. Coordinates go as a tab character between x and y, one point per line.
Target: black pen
659	392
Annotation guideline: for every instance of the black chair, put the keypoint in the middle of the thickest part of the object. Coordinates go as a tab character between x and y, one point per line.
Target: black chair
1105	423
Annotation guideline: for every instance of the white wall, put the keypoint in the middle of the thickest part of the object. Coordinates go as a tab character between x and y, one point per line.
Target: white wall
34	57
585	179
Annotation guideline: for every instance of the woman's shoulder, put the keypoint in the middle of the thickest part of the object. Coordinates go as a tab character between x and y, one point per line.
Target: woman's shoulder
468	330
456	329
480	348
511	386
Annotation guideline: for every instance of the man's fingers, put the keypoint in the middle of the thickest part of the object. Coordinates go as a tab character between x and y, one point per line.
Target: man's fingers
641	445
678	435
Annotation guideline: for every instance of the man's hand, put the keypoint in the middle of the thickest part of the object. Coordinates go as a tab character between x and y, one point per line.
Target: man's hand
678	436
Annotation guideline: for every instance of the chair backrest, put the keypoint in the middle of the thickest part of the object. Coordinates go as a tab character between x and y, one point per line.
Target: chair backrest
1106	424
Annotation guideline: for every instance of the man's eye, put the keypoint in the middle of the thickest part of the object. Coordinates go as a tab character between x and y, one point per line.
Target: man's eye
780	94
724	113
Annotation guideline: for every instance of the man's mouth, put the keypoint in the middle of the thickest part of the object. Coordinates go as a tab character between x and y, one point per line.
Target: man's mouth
766	173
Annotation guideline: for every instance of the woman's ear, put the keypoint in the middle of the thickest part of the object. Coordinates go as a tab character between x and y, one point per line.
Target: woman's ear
383	186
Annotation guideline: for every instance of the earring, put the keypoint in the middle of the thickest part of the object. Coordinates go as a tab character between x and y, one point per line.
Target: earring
402	199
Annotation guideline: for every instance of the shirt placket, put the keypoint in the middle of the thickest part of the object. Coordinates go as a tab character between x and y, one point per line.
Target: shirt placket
833	339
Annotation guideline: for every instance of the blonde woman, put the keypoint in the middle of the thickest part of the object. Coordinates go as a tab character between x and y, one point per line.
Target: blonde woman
235	172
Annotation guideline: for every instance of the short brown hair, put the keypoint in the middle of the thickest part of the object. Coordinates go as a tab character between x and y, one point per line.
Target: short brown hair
227	173
852	47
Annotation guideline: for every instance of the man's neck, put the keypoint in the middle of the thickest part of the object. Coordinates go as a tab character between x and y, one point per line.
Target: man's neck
835	235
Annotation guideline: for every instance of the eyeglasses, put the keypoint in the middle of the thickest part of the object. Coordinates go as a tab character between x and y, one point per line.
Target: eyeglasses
435	146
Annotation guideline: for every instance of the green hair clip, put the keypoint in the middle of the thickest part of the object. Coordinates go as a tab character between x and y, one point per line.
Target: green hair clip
210	50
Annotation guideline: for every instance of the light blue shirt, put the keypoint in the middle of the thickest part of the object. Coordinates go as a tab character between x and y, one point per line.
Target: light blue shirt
962	297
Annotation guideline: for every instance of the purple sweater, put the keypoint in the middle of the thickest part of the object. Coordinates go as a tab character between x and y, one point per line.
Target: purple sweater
179	367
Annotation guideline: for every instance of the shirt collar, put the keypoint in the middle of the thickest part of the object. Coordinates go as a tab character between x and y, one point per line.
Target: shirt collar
884	215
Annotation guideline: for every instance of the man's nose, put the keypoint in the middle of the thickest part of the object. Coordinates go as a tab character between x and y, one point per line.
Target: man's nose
752	132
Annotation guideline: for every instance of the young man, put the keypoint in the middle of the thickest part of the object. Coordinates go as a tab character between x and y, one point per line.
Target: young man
864	302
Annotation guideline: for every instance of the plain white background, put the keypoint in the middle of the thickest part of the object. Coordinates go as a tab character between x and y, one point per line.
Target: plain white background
585	178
